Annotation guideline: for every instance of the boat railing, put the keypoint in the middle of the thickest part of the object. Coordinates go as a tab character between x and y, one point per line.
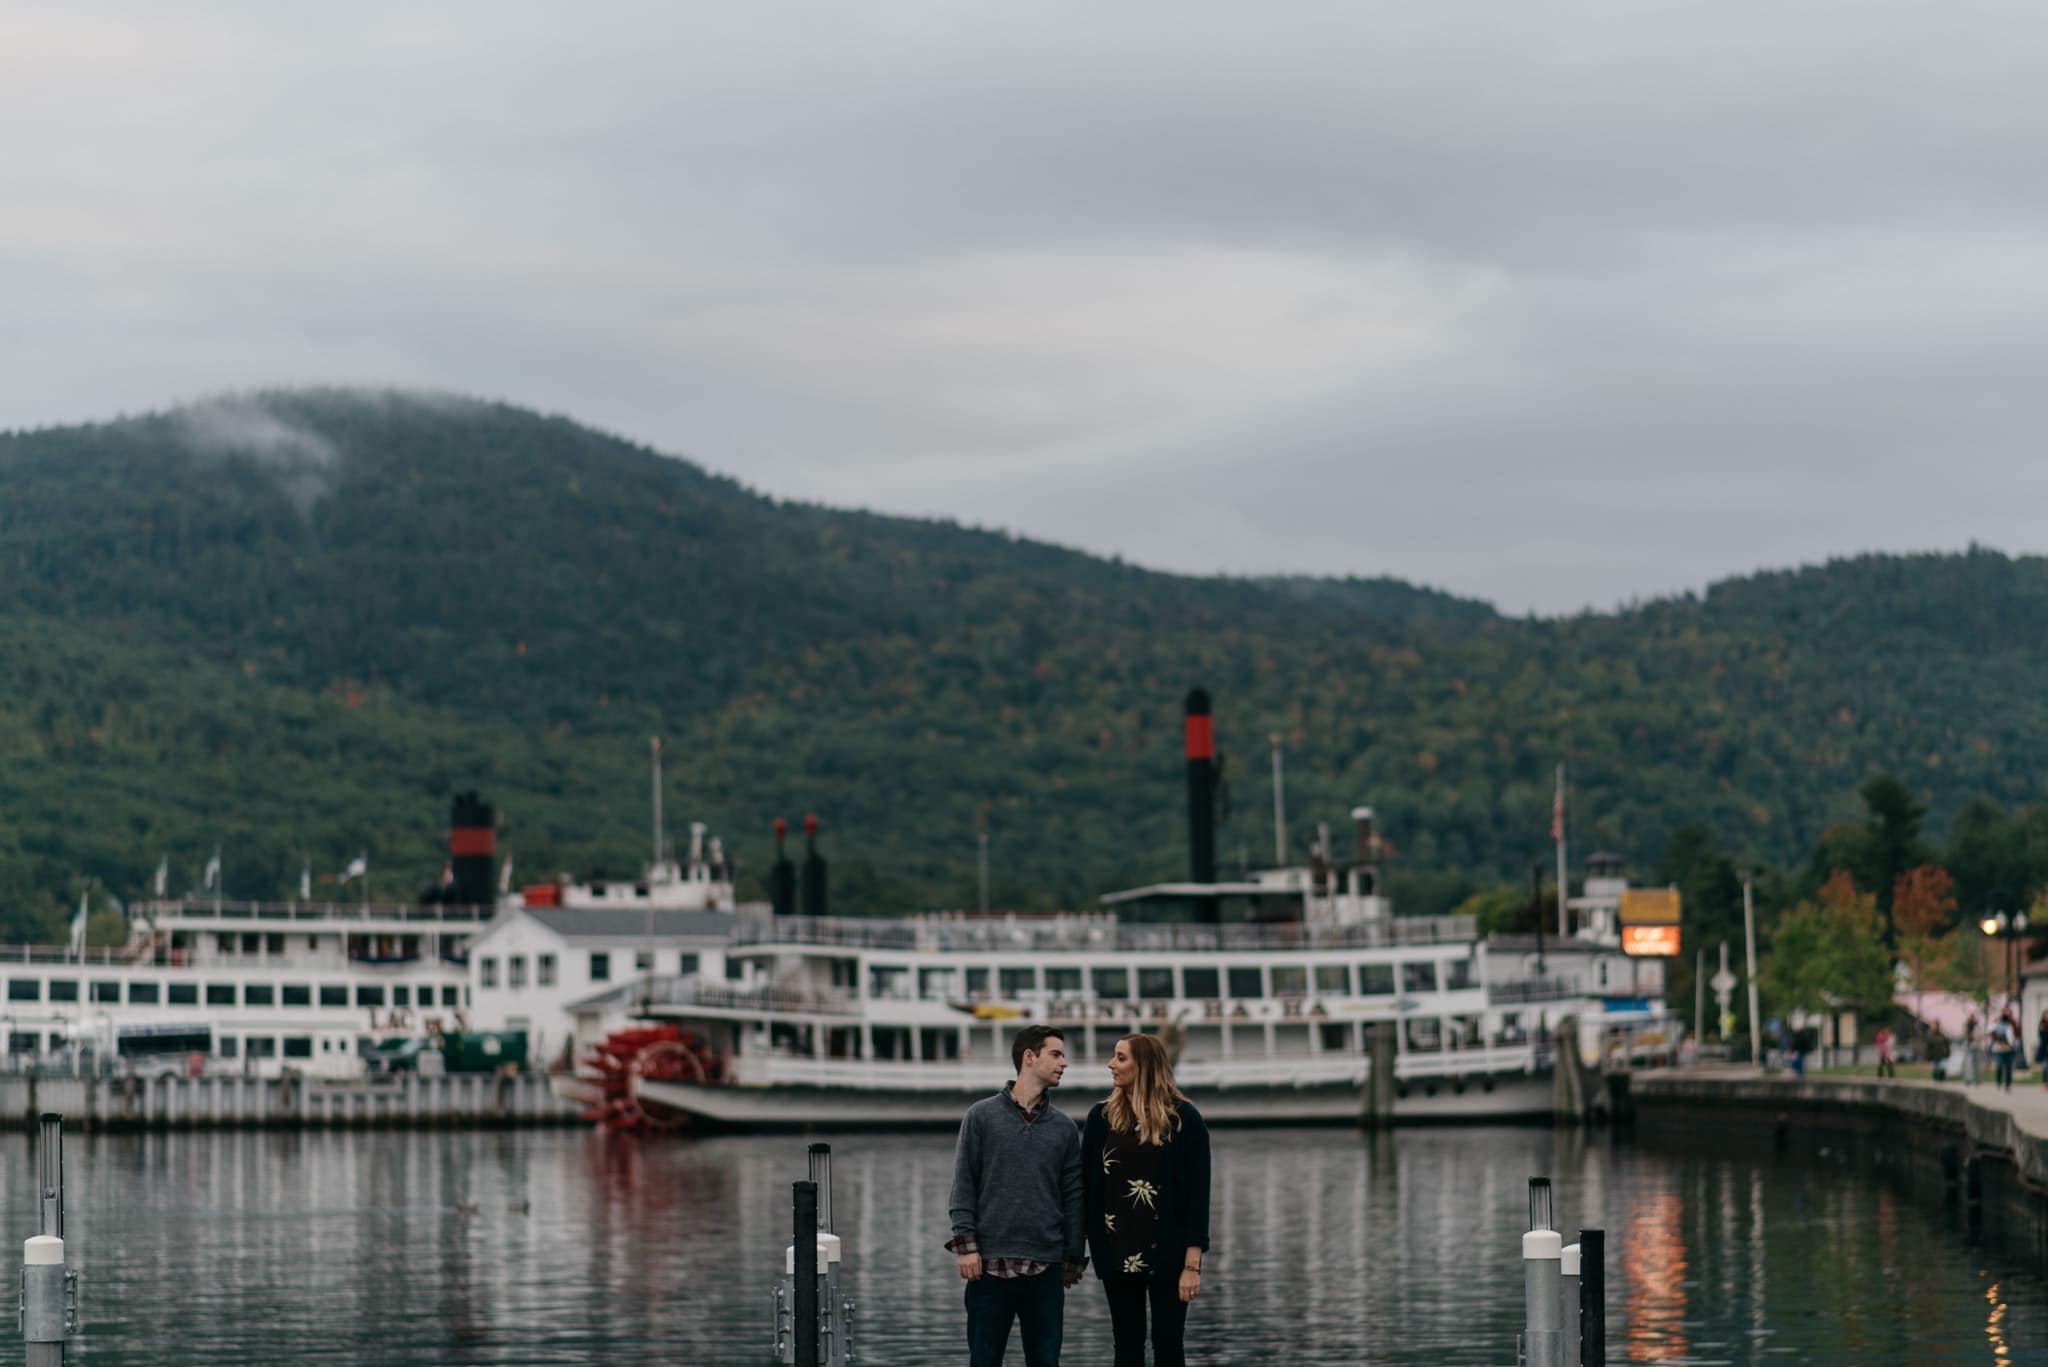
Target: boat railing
1295	1070
1519	990
694	991
208	909
1026	934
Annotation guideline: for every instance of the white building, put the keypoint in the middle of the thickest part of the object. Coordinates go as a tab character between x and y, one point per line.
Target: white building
536	968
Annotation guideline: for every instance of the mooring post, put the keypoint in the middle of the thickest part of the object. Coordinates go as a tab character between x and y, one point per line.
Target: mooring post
49	1290
1592	1298
821	1173
1568	1270
804	1299
1542	1252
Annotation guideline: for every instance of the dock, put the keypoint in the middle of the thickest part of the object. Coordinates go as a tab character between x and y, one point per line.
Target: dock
467	1100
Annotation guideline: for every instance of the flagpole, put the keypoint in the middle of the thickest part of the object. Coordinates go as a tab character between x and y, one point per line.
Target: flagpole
1564	922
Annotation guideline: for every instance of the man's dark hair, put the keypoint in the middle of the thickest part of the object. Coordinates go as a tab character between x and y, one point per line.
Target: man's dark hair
1031	1039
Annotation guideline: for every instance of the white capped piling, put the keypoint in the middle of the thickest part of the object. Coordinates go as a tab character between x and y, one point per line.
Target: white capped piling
828	1315
1542	1255
1568	1275
49	1289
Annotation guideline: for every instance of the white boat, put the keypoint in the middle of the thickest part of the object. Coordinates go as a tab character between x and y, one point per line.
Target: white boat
851	1023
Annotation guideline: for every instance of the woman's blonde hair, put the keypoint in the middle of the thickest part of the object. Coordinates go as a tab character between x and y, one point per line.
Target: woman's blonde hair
1149	1106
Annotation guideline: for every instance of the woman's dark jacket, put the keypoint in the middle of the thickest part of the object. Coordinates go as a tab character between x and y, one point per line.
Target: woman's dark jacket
1183	1220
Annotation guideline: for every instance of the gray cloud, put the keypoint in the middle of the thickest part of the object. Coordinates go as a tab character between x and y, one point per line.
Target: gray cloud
1557	305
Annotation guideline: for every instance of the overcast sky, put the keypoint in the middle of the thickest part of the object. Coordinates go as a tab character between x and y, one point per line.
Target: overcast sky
1555	305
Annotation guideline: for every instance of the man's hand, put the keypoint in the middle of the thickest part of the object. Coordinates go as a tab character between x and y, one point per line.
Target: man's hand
1072	1279
970	1266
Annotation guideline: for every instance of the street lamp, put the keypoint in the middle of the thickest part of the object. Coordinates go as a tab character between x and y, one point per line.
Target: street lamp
2000	925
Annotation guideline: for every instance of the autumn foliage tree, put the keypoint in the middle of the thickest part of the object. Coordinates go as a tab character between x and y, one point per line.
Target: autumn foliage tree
1829	953
1936	956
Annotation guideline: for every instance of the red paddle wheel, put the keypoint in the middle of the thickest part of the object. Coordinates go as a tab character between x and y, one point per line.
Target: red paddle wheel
657	1053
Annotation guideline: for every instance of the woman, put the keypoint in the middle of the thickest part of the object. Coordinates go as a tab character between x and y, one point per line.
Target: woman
1145	1181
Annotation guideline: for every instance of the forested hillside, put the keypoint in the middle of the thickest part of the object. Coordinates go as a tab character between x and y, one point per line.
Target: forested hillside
291	625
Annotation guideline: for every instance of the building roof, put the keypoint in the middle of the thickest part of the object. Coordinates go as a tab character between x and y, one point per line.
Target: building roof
624	925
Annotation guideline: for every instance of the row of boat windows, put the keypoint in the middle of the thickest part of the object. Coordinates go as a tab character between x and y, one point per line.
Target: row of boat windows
1166	982
227	1046
109	991
546	968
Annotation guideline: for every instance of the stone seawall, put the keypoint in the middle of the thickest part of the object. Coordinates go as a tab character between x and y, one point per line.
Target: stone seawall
1985	1151
192	1103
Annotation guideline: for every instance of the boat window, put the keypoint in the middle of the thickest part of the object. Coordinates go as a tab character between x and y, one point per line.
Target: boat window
450	996
892	1041
220	994
262	1046
600	966
515	972
1155	983
1418	976
106	992
258	994
935	984
938	1044
251	943
1336	1037
273	944
24	989
297	994
142	994
369	995
1111	984
1457	974
228	1046
1063	982
1290	980
1247	983
977	983
184	994
63	989
643	961
735	969
1333	980
1424	1035
298	1046
686	964
889	980
487	972
1202	984
1017	981
1375	980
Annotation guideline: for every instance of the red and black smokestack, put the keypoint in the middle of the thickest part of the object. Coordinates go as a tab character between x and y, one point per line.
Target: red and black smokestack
472	850
814	870
1201	748
782	875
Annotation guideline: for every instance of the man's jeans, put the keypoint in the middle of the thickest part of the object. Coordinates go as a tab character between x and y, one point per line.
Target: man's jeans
1038	1305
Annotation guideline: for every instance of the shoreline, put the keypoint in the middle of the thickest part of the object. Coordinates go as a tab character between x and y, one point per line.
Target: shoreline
1976	1146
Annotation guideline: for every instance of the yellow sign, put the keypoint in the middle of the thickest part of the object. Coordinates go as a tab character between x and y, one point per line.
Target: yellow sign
1649	907
1650	942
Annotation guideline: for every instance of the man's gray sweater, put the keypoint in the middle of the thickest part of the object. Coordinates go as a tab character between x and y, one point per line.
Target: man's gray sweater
1017	1183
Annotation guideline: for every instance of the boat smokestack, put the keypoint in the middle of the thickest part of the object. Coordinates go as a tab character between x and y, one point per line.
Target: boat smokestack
782	875
814	870
1200	730
472	850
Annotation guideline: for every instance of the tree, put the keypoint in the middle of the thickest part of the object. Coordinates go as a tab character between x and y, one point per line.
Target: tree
1933	950
1828	953
1895	845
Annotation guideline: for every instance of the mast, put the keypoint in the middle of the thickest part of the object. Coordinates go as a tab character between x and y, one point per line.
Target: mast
654	746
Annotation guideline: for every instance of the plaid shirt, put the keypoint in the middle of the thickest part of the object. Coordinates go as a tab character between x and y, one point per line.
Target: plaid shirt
1007	1268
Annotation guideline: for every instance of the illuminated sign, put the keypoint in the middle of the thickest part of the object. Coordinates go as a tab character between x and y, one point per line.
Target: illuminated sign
1649	907
1649	942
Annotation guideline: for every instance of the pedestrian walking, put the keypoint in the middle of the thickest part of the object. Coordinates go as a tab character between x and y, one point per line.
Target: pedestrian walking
2004	1038
1145	1160
1016	1208
2041	1047
1887	1065
1970	1050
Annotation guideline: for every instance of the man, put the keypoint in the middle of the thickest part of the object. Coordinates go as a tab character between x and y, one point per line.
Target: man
1016	1207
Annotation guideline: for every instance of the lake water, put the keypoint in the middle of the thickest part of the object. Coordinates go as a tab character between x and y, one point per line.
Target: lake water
1330	1247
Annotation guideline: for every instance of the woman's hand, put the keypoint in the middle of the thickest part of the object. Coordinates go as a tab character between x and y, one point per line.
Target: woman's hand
1190	1284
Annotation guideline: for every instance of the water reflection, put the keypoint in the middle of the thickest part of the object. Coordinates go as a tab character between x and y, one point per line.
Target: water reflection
518	1248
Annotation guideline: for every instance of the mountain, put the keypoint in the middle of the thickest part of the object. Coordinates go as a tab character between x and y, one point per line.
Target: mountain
291	624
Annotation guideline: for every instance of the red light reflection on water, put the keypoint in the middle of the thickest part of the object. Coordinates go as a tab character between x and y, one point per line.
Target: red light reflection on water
1654	1267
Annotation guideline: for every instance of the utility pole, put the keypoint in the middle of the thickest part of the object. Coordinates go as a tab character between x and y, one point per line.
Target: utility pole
1756	1025
981	839
1279	808
1536	906
1699	995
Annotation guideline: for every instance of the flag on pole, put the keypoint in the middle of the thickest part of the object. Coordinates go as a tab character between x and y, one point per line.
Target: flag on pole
213	870
358	867
505	874
78	922
162	882
1557	811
